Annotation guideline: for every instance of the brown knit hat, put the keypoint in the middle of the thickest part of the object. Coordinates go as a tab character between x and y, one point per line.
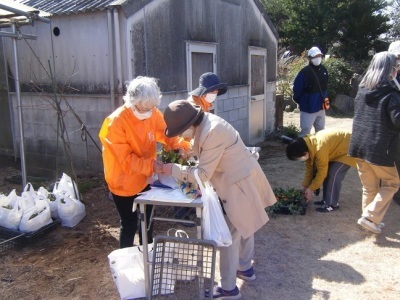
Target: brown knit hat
179	116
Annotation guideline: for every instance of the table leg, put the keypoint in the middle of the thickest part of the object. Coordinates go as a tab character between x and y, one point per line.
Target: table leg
147	273
199	222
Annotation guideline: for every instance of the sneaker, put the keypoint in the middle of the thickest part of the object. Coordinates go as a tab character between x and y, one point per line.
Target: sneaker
321	202
219	293
328	208
367	224
246	275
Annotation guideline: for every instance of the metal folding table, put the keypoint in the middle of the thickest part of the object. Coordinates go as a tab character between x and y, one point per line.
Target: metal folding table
144	200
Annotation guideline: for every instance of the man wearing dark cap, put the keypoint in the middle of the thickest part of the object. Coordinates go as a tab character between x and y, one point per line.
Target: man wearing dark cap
209	88
238	179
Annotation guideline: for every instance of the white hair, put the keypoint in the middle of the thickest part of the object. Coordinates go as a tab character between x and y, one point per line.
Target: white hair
144	90
379	70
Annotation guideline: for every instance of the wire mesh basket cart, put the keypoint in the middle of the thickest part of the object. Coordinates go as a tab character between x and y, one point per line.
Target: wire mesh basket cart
182	268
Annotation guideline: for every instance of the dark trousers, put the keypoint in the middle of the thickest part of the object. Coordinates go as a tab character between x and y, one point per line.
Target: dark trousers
129	221
333	182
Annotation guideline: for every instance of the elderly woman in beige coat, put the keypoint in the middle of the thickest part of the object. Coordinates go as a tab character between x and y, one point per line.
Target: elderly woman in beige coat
238	179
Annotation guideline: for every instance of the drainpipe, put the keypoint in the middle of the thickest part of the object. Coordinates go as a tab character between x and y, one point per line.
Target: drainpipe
117	37
111	60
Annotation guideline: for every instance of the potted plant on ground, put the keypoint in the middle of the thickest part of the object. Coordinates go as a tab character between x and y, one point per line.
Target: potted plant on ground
290	201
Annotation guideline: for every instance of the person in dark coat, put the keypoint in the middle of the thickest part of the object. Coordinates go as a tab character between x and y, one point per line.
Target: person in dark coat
309	91
374	139
394	48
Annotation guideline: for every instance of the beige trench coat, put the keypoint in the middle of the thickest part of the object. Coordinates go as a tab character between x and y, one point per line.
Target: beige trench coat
234	173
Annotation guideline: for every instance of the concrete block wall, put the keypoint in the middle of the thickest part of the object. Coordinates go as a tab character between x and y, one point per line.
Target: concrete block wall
43	151
233	107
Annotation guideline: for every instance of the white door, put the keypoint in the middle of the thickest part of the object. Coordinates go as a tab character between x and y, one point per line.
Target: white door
257	92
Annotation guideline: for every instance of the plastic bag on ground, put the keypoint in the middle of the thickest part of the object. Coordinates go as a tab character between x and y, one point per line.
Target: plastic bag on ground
36	217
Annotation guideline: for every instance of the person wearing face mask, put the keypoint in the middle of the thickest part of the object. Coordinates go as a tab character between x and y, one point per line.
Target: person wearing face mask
309	91
129	136
327	163
375	137
238	179
394	48
209	88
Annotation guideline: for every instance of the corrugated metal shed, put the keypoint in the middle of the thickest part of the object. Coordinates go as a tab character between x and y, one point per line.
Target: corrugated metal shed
67	7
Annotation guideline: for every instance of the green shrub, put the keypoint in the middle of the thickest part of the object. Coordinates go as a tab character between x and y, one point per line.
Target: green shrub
340	73
291	131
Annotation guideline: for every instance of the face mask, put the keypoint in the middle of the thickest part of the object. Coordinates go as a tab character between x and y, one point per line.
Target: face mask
304	158
316	61
210	98
188	133
142	116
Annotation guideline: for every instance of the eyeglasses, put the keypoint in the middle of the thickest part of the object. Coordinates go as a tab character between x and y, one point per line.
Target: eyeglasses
143	110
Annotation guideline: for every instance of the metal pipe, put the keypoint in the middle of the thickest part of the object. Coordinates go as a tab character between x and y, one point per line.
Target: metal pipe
32	14
20	117
18	35
111	59
118	52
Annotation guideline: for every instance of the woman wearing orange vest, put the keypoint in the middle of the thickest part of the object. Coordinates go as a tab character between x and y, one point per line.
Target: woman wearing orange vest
129	136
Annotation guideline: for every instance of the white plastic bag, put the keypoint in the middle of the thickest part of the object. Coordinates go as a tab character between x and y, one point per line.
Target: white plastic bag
67	186
52	199
214	224
36	217
71	211
127	270
29	192
10	213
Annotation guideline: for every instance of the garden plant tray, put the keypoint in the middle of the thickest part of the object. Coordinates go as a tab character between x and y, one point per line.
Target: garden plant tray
10	238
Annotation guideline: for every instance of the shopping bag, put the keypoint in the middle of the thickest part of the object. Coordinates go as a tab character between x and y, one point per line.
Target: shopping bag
52	199
67	186
10	213
127	270
214	224
36	217
71	211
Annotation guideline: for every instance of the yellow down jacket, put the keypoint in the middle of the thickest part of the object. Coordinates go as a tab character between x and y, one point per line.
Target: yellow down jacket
323	147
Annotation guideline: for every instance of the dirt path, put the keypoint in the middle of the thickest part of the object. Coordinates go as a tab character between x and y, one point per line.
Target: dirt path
316	256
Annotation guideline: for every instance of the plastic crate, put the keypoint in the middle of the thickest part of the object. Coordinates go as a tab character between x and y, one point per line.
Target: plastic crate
10	238
32	237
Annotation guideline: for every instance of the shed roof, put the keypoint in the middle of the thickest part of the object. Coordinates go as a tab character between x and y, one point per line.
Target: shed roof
67	7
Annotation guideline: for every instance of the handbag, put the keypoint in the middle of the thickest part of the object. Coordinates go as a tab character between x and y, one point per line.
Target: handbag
325	100
214	224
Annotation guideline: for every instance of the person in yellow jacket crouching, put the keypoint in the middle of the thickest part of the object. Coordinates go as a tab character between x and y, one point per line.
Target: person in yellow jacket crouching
129	137
327	163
